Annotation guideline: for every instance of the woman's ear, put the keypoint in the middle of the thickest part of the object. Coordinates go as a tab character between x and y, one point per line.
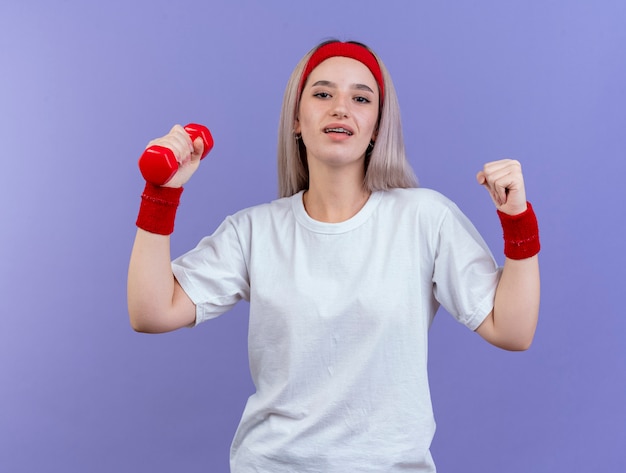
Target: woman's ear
296	126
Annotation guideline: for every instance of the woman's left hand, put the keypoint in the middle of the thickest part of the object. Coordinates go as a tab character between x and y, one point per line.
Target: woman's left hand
505	183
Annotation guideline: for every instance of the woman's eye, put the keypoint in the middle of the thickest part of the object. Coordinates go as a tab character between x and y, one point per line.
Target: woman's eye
362	100
322	95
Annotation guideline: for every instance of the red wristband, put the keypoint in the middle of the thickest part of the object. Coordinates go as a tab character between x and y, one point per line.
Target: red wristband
158	209
521	234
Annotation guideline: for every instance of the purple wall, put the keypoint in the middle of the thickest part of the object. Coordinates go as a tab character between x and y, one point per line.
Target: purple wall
84	87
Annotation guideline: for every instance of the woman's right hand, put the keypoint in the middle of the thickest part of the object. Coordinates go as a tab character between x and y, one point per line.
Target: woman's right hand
187	154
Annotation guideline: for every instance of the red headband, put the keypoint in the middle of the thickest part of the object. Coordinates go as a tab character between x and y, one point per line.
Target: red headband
350	50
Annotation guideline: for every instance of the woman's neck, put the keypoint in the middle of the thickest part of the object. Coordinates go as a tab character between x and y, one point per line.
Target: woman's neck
335	199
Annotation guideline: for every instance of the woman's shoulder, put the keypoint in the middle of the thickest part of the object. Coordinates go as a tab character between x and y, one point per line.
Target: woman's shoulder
278	208
418	197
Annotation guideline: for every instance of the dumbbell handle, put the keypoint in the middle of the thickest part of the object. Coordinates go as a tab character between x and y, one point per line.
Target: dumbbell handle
158	163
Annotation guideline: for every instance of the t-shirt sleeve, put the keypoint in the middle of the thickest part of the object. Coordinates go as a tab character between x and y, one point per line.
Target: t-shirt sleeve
465	273
214	274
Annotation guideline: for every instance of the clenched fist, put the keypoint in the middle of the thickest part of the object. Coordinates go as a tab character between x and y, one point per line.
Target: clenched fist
505	183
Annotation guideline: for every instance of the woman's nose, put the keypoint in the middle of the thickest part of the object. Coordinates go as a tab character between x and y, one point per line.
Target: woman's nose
340	106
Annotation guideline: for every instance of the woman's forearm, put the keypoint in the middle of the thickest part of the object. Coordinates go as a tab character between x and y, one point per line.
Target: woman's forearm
156	303
512	323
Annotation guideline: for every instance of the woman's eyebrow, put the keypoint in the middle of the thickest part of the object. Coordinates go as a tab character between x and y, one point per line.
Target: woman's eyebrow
327	83
362	87
324	83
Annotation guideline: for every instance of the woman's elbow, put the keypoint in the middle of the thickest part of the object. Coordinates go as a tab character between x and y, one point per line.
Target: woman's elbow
517	343
518	346
142	322
138	323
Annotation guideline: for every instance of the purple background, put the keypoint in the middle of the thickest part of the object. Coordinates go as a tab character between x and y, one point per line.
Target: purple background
85	85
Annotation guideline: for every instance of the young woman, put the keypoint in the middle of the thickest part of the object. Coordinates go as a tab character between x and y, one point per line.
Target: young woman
344	274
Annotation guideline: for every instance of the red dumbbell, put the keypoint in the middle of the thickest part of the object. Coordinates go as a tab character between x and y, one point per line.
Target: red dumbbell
158	163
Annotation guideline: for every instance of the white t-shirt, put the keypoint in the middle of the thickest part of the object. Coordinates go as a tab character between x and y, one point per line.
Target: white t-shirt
339	319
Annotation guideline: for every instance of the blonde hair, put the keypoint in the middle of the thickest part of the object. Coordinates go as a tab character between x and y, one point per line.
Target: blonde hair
386	164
